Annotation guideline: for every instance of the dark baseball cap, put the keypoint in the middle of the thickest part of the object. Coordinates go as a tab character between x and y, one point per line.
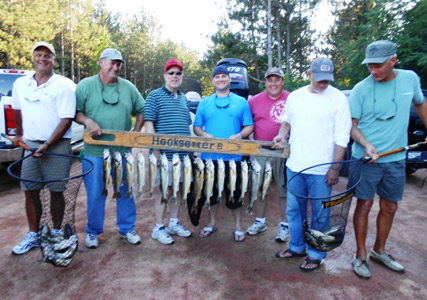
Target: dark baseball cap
274	71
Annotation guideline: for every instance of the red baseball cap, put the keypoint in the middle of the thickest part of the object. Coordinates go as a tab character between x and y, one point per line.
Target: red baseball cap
173	63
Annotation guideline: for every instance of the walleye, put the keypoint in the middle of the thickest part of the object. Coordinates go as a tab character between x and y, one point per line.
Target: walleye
323	241
186	184
118	174
152	170
232	177
141	172
198	183
268	173
107	170
164	177
209	181
129	172
244	179
220	177
255	184
176	176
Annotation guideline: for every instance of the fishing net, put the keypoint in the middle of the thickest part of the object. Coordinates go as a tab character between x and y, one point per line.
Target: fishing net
53	181
324	211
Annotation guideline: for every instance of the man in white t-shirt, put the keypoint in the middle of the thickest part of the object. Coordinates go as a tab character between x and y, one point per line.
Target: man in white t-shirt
318	117
44	106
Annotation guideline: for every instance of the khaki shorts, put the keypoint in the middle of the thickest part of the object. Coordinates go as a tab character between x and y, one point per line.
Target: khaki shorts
279	169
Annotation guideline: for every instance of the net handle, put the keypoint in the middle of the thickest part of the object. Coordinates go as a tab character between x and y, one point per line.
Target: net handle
409	147
9	169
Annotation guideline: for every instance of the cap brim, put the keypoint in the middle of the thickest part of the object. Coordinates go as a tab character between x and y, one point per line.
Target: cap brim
323	76
278	75
374	60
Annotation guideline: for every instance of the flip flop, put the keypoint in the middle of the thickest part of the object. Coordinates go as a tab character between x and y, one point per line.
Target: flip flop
237	234
316	262
209	231
293	254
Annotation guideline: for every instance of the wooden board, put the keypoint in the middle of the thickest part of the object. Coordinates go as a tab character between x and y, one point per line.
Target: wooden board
186	143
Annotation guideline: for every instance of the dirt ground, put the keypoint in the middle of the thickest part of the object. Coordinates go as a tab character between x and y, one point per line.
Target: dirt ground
212	268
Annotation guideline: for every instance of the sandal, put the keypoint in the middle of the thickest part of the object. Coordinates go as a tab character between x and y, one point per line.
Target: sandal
292	254
207	231
310	261
237	234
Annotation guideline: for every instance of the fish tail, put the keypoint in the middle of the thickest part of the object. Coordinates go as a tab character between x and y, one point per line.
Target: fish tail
105	192
117	194
128	193
172	199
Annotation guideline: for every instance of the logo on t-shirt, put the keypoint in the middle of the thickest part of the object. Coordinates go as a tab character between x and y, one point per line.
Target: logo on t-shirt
277	109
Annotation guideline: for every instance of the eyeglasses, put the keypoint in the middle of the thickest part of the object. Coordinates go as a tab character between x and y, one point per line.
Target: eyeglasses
386	112
102	93
171	73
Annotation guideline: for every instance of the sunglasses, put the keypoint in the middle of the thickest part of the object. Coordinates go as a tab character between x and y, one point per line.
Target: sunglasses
179	73
115	101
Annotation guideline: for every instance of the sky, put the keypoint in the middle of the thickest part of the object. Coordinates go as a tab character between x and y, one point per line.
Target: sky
190	21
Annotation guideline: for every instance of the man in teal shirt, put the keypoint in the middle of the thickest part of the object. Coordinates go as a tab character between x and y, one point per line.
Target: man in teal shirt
380	107
106	101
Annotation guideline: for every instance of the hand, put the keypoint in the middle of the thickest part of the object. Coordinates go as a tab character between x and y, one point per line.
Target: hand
371	152
332	177
93	128
16	140
278	141
39	152
235	137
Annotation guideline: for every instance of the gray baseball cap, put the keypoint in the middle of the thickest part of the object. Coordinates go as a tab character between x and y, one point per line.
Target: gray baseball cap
322	69
274	71
46	45
377	52
112	54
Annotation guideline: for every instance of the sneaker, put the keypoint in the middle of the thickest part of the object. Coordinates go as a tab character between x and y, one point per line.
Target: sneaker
91	240
282	234
361	268
179	230
388	261
162	236
256	228
29	242
132	237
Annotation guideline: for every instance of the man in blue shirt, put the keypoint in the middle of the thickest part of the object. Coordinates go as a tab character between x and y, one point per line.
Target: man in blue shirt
224	115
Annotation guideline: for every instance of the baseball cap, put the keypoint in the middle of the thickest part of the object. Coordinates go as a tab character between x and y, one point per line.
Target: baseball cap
274	71
322	69
173	63
112	54
220	70
377	52
46	45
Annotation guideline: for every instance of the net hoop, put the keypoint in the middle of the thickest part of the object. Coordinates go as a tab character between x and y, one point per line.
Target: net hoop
70	156
345	192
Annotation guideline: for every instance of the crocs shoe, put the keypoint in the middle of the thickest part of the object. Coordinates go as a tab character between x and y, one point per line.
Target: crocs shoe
256	227
388	261
361	268
29	242
282	234
162	236
132	237
91	240
179	230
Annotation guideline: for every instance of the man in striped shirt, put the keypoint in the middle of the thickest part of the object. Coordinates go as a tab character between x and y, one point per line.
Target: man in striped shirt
166	112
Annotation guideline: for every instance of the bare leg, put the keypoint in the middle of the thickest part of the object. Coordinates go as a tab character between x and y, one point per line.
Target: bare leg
260	207
37	204
384	222
31	212
360	221
57	207
160	208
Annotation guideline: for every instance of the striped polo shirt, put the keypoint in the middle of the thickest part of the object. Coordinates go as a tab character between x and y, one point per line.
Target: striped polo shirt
170	115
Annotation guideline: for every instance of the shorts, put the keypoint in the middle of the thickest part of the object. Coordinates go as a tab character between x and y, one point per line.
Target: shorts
385	179
279	171
47	167
237	203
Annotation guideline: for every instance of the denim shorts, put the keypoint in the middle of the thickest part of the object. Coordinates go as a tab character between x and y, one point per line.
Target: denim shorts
385	179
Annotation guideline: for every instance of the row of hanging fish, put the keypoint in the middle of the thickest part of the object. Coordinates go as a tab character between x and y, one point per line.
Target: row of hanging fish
200	173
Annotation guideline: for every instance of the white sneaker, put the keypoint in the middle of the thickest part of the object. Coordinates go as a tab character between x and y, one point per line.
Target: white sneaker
91	240
387	260
162	236
256	227
179	230
282	234
29	242
132	237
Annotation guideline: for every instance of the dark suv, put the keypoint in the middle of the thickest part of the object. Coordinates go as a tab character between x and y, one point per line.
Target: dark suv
415	158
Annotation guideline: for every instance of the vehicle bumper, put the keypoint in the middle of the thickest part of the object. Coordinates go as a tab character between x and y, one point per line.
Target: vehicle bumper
10	155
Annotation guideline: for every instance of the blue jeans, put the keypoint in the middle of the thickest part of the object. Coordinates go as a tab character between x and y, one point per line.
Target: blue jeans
296	210
94	183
